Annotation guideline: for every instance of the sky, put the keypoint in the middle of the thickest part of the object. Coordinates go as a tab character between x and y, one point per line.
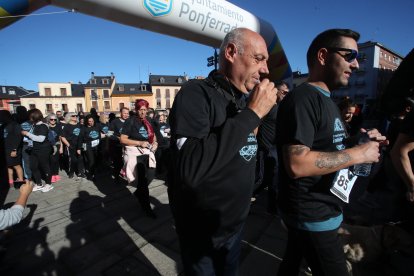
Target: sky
69	46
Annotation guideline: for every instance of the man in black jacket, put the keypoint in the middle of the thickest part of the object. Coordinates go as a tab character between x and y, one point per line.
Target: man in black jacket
214	148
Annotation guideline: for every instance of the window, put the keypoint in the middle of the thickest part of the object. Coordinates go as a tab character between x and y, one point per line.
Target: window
49	108
167	93
32	106
65	107
94	96
106	94
12	92
63	92
158	93
95	105
180	80
105	81
93	81
121	88
107	105
158	103
167	103
143	87
48	92
121	105
79	107
162	80
1	103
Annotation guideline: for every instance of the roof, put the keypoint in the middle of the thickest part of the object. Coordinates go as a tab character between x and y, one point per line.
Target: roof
13	92
124	89
373	43
165	80
98	81
77	90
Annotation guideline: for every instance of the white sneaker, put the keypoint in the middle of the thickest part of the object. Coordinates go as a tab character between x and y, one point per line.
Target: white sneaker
38	188
47	188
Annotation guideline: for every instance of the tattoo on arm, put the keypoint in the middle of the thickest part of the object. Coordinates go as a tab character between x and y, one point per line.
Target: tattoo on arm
296	149
330	160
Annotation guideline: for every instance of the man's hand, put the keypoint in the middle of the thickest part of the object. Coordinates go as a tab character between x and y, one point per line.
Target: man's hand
263	97
26	188
370	152
24	132
375	135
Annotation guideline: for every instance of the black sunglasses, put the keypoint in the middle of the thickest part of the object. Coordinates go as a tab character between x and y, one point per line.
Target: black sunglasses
52	119
74	116
349	57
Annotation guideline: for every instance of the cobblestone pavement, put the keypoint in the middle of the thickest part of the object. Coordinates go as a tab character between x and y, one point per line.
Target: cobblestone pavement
97	228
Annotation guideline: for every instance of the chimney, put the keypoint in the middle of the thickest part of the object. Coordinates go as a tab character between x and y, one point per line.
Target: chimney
92	75
112	76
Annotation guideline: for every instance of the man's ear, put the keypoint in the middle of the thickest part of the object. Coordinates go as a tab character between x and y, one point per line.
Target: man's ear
322	56
230	52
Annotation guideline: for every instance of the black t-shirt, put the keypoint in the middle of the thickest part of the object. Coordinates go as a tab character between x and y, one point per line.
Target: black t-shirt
90	135
266	136
116	126
212	175
71	133
56	131
43	130
309	117
135	129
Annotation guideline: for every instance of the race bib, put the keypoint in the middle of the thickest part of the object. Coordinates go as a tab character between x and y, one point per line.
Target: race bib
94	143
343	183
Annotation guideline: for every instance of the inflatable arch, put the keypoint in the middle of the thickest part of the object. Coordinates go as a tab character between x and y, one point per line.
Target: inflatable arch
201	21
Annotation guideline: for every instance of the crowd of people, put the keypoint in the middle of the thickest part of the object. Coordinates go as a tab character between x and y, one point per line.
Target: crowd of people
233	135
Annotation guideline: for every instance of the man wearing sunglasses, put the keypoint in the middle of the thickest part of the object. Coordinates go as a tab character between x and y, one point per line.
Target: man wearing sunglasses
316	166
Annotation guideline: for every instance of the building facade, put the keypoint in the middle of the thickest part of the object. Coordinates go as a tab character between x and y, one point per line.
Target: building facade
10	97
98	91
367	84
65	97
125	95
164	89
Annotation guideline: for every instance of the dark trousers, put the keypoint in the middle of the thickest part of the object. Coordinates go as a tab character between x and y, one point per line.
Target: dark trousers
26	151
54	162
39	162
91	156
201	258
323	252
145	175
75	161
115	151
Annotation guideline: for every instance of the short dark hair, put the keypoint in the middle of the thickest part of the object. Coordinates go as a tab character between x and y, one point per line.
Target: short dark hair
281	83
36	115
328	38
124	108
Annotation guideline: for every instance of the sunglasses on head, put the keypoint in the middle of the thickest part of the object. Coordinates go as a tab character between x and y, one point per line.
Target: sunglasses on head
350	56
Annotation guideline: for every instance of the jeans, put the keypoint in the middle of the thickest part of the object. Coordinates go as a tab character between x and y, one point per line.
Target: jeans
323	252
201	258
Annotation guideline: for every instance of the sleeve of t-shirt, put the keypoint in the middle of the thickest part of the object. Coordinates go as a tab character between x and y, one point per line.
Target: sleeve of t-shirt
299	120
207	151
126	129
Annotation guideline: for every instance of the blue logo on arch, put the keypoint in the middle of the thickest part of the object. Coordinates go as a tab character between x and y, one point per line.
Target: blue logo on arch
158	7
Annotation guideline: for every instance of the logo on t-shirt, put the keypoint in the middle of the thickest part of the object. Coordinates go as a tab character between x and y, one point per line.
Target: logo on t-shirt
76	131
143	132
249	151
105	129
5	134
339	134
94	134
